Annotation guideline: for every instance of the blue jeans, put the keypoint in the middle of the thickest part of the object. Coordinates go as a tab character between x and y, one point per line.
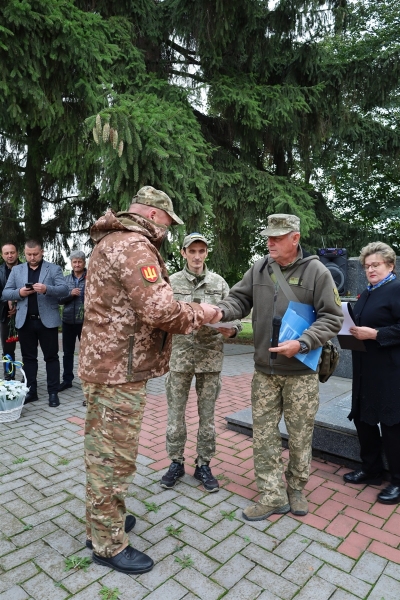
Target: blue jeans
70	331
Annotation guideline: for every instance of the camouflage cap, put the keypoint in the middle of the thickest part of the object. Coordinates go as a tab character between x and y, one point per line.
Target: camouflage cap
152	197
194	237
281	225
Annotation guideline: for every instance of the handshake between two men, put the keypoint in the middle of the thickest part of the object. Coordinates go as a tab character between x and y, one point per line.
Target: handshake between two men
213	314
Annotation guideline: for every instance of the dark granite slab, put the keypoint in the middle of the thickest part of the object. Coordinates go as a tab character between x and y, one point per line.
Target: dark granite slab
335	437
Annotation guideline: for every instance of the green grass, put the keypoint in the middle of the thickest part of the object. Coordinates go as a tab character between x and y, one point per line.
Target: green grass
109	593
228	515
176	531
77	562
21	459
152	506
185	561
244	337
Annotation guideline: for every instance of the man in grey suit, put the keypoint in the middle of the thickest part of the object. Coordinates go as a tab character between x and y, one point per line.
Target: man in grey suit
36	286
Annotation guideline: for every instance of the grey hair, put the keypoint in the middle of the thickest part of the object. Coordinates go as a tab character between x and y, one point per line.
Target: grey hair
387	253
77	254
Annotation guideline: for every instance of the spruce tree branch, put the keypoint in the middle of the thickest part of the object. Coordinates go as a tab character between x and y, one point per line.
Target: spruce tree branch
58	200
183	74
187	53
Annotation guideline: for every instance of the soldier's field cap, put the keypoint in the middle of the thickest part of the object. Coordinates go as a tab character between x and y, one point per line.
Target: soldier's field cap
281	225
152	197
194	237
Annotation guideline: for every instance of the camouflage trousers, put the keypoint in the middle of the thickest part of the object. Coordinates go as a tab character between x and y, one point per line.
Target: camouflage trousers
297	396
112	428
208	387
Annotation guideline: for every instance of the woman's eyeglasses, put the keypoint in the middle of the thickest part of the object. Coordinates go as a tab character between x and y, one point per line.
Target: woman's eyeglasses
373	266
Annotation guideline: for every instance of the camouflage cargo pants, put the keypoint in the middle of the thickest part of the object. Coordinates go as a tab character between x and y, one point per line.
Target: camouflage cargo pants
113	421
297	396
208	387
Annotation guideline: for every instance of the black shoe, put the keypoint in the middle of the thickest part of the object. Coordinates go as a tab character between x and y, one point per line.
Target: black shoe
170	478
54	399
129	560
130	523
204	475
31	397
390	495
64	385
362	477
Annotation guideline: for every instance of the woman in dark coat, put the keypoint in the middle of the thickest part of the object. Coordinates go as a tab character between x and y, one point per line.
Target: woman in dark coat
376	381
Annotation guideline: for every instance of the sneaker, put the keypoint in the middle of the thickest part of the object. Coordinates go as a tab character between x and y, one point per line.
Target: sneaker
204	475
170	478
130	522
258	512
297	501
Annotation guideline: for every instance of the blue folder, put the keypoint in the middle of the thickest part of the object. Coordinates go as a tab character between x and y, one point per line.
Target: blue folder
297	318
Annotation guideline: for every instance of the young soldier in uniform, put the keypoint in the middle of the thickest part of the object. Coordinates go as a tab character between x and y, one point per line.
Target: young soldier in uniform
130	314
199	354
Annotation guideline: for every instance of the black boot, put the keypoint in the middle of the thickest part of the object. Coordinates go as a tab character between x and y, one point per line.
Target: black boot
129	561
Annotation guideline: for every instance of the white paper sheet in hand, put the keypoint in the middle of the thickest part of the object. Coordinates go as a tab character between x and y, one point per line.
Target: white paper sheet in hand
348	321
219	325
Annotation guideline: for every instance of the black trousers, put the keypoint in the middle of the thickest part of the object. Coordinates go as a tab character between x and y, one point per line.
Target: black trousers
8	347
70	331
371	443
30	335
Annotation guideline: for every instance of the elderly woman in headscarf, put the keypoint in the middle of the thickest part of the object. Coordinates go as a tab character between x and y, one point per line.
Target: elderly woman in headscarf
376	380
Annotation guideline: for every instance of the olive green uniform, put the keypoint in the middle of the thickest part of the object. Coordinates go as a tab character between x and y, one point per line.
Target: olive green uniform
198	354
284	385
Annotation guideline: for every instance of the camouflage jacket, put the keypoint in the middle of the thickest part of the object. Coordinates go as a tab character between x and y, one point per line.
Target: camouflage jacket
202	350
130	310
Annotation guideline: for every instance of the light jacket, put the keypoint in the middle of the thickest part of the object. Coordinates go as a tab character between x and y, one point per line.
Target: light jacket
51	275
130	310
311	282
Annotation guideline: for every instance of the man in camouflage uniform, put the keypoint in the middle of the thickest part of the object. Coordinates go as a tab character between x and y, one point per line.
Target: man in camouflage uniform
130	314
283	385
199	354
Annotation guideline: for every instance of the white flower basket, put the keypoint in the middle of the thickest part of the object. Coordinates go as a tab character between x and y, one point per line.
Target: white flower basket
12	398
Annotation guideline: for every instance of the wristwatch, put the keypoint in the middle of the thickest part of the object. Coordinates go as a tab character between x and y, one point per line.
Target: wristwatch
303	348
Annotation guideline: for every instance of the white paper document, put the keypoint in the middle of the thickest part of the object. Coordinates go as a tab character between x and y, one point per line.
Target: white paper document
219	325
348	321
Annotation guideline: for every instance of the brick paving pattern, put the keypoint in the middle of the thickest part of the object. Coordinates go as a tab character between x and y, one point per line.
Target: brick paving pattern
347	547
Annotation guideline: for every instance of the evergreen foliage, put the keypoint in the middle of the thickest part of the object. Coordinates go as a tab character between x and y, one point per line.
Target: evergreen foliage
235	109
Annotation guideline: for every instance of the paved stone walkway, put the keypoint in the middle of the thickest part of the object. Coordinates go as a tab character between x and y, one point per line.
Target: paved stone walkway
347	547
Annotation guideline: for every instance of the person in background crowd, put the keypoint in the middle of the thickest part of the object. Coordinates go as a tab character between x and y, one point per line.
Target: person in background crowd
130	314
376	383
198	354
9	254
72	316
283	385
36	286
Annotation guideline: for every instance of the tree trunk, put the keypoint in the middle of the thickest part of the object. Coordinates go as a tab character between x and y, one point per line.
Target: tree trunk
33	196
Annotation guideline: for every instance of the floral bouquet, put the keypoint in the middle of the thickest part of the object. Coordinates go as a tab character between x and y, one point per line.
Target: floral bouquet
12	393
12	332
